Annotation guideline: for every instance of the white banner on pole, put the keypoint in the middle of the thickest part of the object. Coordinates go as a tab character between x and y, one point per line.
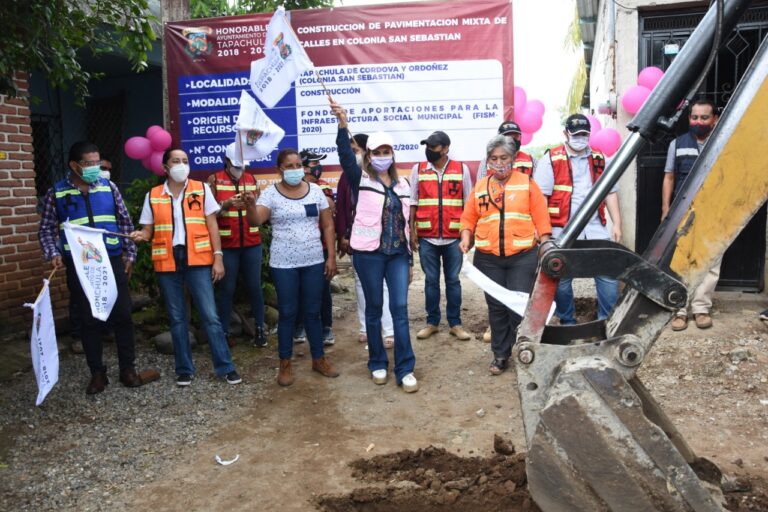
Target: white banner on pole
285	59
43	347
93	268
255	131
516	301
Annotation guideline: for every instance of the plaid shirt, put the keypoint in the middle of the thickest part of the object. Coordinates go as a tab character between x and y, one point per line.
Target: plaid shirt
48	234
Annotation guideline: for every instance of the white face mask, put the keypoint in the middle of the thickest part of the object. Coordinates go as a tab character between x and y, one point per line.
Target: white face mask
179	172
578	142
359	159
236	172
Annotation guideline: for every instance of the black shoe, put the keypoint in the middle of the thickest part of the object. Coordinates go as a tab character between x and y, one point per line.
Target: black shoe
184	379
259	338
764	315
234	378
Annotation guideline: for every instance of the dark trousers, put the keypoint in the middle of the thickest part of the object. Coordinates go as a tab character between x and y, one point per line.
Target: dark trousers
120	318
517	273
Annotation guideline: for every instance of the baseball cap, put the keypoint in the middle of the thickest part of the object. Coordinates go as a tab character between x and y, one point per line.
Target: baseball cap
378	139
437	139
509	127
577	123
234	156
308	156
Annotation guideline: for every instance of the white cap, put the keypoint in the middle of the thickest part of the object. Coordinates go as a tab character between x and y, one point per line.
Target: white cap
378	139
233	157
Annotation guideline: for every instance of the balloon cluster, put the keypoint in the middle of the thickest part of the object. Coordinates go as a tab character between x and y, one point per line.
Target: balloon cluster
149	149
634	97
528	115
605	140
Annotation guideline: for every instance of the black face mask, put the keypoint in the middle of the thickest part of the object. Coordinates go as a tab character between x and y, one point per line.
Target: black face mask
517	144
432	156
316	171
701	130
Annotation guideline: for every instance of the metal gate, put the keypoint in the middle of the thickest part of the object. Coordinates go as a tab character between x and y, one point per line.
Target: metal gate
744	262
50	160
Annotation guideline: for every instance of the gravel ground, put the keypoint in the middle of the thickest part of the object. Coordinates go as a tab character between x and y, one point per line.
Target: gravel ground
75	452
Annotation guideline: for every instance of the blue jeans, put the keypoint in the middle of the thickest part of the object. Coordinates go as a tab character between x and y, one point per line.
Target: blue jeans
299	288
430	255
198	283
247	259
607	295
373	268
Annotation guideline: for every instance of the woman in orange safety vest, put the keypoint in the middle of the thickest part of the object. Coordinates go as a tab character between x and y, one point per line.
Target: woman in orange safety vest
179	219
505	219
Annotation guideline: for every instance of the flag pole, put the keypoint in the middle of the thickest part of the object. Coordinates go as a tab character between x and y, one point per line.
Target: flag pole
113	233
240	139
50	276
322	84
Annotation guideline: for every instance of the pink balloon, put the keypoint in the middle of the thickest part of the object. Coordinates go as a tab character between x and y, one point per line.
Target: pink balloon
152	129
147	162
594	124
520	99
156	163
535	106
649	77
529	121
634	97
606	140
137	148
526	138
161	140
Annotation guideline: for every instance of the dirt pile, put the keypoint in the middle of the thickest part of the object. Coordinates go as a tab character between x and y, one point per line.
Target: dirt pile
432	479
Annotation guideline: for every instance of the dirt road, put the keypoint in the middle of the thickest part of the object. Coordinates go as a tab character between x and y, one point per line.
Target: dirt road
297	443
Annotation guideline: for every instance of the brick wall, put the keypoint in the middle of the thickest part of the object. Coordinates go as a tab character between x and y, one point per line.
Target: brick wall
22	268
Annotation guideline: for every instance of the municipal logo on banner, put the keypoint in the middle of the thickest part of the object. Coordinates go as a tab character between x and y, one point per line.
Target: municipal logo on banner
257	134
93	268
285	59
43	347
197	41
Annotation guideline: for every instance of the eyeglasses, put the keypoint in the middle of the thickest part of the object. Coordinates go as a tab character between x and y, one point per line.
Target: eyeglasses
90	163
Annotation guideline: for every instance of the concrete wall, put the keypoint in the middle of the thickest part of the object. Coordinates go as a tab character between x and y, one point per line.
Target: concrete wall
614	70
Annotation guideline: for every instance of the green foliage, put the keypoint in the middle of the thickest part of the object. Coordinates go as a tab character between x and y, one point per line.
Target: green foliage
143	278
215	8
47	34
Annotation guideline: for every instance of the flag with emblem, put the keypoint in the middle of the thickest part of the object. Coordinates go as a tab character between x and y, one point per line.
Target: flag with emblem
284	60
93	267
44	350
254	131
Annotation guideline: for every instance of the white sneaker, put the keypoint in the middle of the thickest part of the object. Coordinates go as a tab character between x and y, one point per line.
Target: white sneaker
410	384
379	376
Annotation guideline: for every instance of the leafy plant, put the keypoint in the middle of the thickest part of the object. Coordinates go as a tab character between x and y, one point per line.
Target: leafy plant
46	35
143	278
215	8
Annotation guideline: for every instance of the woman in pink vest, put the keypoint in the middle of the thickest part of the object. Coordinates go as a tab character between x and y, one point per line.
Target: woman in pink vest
380	238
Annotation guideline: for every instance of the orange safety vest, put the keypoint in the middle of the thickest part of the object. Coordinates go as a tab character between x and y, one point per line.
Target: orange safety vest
504	228
560	201
523	163
234	230
438	214
199	250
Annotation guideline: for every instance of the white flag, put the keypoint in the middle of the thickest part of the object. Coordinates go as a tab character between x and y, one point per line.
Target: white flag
256	132
45	351
93	268
516	301
284	60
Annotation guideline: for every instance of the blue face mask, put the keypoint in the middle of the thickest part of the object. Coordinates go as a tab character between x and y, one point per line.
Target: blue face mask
293	176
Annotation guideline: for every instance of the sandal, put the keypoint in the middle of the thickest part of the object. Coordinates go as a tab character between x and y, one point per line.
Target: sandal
498	366
389	342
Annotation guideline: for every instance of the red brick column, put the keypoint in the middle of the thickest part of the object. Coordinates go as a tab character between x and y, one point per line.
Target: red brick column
22	267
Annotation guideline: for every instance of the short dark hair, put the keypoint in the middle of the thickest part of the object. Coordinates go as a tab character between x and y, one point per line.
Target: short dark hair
705	101
78	149
285	153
